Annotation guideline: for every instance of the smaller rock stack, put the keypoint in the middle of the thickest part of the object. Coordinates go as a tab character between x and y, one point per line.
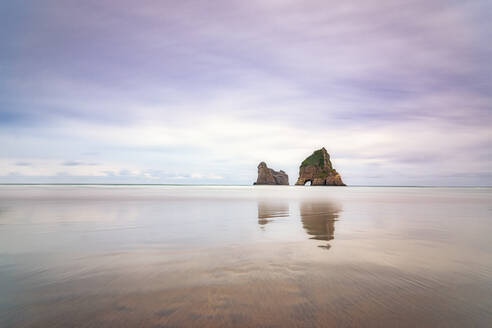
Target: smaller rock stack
267	176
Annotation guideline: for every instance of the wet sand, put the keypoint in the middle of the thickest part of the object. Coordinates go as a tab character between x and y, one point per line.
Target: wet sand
175	256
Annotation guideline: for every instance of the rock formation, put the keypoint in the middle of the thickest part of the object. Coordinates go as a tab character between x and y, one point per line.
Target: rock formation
318	170
267	176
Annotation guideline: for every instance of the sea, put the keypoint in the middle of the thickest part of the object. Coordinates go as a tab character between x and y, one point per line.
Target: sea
245	256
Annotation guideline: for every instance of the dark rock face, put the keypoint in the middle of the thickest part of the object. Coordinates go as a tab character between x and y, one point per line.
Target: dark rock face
267	176
318	170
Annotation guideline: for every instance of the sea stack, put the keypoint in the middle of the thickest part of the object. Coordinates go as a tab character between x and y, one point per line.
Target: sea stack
318	170
267	176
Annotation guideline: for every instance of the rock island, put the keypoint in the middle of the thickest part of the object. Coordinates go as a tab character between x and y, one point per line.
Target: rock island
267	176
318	170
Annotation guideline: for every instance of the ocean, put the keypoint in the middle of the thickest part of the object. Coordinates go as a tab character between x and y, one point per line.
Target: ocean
246	256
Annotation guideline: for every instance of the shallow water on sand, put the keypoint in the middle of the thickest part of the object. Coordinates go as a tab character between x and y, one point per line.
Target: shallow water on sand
167	256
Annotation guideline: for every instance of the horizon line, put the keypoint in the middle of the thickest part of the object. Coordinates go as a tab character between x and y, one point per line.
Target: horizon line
229	185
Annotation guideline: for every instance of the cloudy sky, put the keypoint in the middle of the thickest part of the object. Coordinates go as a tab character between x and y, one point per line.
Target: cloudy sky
399	92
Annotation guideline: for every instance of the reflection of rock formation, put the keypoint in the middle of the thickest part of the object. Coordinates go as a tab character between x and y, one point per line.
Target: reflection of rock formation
268	211
318	219
267	176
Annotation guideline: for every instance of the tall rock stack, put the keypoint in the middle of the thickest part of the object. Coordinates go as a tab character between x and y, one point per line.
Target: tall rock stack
267	176
318	170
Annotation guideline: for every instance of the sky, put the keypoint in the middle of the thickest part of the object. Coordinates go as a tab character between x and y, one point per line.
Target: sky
199	92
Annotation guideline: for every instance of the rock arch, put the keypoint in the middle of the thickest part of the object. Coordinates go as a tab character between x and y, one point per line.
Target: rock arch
318	169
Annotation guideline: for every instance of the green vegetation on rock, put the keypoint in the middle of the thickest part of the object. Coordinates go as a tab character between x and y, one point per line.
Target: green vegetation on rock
315	159
318	159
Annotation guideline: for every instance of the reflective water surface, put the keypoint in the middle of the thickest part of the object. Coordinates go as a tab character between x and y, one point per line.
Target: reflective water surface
262	256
